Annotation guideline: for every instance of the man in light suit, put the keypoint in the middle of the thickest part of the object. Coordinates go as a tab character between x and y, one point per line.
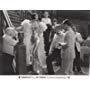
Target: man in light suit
78	41
68	51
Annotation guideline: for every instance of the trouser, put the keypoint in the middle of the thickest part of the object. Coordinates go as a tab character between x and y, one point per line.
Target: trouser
7	64
54	56
77	61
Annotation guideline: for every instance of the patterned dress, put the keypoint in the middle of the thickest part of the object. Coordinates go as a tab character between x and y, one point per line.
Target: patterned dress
39	57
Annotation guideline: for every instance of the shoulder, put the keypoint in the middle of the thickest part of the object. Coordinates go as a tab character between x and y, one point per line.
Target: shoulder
42	23
69	33
43	19
77	33
6	37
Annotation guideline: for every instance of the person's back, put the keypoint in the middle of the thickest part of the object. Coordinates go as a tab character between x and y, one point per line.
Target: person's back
87	42
8	50
9	42
20	56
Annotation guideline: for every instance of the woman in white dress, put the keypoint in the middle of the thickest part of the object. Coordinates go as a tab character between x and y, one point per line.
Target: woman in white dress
38	50
27	36
68	50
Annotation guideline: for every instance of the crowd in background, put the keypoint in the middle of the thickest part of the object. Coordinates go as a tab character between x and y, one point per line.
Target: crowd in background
46	41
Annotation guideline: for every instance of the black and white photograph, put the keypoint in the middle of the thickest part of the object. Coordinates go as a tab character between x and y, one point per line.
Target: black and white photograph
44	42
44	45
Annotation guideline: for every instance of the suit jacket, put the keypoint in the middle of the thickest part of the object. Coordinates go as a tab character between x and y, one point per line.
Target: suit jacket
68	52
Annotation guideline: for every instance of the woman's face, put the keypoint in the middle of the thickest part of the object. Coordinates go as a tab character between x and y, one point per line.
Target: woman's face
36	17
46	14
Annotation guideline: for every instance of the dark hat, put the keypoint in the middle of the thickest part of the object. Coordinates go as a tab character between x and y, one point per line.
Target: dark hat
68	22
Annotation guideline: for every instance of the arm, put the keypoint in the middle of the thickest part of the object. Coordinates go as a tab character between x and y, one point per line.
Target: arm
43	26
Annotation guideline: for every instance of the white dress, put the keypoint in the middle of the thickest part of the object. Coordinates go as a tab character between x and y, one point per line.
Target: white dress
27	36
40	57
41	50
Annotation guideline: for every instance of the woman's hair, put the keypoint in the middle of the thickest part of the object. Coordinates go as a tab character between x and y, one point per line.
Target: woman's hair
33	15
10	31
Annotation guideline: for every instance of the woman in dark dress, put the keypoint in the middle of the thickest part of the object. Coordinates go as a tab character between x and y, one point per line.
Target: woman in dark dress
47	21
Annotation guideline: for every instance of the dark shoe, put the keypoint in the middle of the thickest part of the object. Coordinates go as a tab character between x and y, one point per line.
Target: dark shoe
74	69
51	73
79	70
29	68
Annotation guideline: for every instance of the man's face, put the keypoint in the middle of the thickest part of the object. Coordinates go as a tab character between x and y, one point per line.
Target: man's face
65	27
55	23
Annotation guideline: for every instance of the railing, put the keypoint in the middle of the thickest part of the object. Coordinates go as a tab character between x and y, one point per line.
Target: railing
7	18
20	51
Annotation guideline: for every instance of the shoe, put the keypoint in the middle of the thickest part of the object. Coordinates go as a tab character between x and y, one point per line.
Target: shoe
29	68
80	71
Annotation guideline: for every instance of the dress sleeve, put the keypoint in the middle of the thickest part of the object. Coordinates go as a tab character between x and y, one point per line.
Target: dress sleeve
43	26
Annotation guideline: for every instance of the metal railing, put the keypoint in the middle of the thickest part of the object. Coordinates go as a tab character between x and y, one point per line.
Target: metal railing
7	18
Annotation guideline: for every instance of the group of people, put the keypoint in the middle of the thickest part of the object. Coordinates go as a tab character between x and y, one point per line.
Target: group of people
47	41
